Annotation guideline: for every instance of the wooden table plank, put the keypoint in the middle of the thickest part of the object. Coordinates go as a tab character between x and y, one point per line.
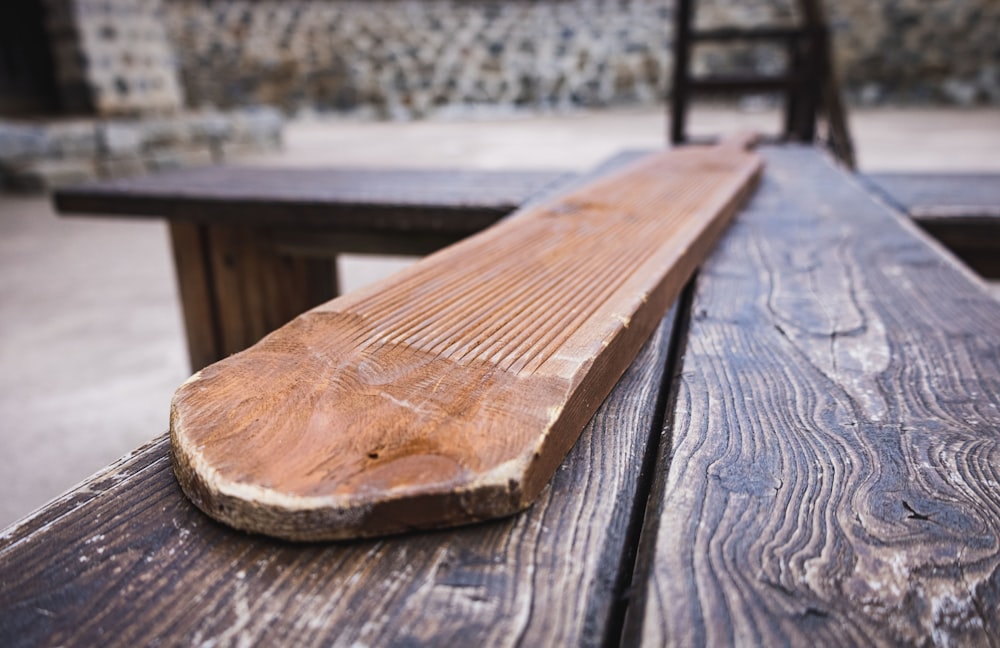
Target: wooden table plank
962	210
941	195
126	560
348	199
831	469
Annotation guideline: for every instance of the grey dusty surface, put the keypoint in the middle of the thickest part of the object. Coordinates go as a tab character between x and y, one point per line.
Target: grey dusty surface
91	343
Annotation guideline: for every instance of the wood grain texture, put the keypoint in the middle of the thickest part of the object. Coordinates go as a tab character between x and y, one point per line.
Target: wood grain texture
189	242
257	289
248	241
346	199
450	392
236	286
126	560
830	471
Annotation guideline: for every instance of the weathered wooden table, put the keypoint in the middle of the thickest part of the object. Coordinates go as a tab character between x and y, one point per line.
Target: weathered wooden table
807	452
254	247
962	210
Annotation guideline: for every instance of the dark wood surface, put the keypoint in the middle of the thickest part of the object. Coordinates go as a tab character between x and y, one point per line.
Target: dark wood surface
830	467
126	560
371	200
941	195
827	475
237	285
962	210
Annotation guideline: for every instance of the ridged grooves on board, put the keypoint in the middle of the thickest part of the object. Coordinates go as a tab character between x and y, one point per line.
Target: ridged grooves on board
450	392
478	313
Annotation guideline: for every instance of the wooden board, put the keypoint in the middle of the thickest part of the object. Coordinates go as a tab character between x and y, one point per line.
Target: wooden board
450	392
333	199
962	210
126	560
941	195
830	471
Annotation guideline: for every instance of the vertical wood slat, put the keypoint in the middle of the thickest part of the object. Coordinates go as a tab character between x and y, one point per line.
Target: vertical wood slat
230	259
257	289
235	287
680	95
195	285
831	461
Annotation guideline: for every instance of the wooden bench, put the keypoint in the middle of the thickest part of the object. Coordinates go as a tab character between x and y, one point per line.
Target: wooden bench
254	247
805	452
962	210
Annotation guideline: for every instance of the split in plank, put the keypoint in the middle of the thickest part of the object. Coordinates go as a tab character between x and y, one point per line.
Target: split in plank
830	467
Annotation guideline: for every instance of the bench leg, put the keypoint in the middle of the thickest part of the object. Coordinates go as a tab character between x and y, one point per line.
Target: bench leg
236	288
195	285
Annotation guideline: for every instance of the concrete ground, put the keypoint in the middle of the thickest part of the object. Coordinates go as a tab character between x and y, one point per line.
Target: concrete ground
91	343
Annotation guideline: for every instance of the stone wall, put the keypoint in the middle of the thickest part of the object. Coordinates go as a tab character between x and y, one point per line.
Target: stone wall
113	57
909	51
404	58
36	155
900	51
408	57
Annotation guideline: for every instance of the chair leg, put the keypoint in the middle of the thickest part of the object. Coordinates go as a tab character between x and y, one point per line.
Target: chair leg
809	85
828	92
680	93
792	108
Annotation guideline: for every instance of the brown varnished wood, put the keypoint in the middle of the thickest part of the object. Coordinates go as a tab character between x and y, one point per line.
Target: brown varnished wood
830	465
197	292
126	560
237	285
292	223
257	289
450	392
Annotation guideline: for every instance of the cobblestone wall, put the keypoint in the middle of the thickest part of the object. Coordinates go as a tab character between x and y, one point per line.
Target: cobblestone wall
113	57
403	58
36	155
919	50
900	51
400	57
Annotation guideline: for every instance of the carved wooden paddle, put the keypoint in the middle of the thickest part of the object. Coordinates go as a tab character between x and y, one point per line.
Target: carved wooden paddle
450	392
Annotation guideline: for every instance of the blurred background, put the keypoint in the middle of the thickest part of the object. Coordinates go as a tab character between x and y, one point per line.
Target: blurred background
91	336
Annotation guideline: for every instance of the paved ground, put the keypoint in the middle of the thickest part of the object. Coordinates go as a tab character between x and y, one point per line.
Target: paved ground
91	345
